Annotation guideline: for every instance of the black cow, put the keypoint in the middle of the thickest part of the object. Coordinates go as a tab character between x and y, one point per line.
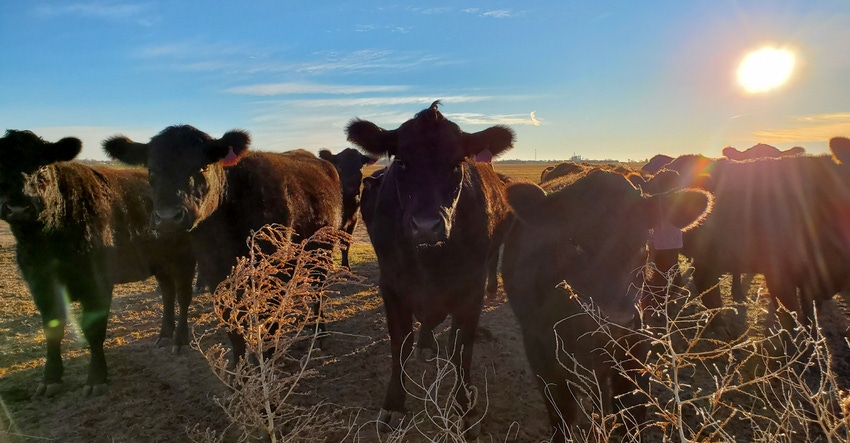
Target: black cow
591	233
761	150
79	230
349	164
437	221
785	218
656	163
219	192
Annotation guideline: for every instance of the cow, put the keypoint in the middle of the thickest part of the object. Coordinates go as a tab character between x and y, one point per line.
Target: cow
583	239
784	218
562	169
219	192
349	165
436	220
78	231
656	163
761	150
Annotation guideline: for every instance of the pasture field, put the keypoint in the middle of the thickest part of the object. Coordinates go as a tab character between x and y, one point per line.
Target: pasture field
155	396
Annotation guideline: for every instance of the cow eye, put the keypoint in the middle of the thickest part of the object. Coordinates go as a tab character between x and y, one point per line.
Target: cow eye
205	168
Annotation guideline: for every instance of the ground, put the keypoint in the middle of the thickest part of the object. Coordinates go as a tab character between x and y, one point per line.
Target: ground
156	396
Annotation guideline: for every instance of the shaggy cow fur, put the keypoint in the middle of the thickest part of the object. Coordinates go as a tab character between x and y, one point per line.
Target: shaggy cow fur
219	192
79	230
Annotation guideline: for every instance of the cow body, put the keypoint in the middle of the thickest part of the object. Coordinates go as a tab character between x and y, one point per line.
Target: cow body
589	235
435	218
784	218
349	165
79	230
219	193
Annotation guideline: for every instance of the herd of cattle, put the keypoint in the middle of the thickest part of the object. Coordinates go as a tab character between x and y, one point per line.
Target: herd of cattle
438	221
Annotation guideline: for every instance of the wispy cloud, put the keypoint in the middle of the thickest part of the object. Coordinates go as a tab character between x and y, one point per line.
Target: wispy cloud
499	13
105	11
812	128
311	88
493	119
534	120
235	58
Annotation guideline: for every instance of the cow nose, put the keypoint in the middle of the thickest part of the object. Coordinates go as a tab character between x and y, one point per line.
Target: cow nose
170	219
427	230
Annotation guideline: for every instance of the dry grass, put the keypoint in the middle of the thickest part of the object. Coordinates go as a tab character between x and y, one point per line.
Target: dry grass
773	386
268	299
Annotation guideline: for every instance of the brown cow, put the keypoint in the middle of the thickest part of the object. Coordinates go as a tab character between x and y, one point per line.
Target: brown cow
219	193
79	230
590	233
436	222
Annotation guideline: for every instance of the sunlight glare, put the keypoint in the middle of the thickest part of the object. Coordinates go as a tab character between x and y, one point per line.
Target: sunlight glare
765	69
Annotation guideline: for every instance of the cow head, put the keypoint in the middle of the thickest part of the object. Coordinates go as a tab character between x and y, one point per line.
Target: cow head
430	167
349	164
185	169
22	154
599	226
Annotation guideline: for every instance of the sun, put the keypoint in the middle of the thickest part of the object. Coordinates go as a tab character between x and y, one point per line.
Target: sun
765	69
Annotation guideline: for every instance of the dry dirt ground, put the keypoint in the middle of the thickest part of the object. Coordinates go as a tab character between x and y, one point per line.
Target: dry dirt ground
155	396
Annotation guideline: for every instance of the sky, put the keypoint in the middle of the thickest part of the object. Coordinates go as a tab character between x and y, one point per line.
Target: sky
621	80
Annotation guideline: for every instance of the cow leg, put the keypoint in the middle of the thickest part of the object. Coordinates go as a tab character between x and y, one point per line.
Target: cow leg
400	325
183	287
426	345
95	316
785	292
464	325
493	275
738	294
706	281
166	329
50	300
345	244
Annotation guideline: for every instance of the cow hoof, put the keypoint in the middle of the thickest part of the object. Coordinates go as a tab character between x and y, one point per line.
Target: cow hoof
423	354
163	342
95	391
48	389
389	421
178	349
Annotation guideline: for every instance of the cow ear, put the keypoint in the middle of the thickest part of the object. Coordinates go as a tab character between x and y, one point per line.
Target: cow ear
325	154
528	202
125	150
373	139
496	139
368	160
840	147
230	148
684	209
64	150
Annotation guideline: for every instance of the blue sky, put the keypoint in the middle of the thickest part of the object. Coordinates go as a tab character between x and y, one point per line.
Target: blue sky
601	79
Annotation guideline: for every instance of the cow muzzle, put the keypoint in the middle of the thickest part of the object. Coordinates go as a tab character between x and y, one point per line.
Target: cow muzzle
171	220
14	213
428	230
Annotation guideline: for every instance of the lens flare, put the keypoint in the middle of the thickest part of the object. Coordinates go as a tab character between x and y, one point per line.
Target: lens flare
765	69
